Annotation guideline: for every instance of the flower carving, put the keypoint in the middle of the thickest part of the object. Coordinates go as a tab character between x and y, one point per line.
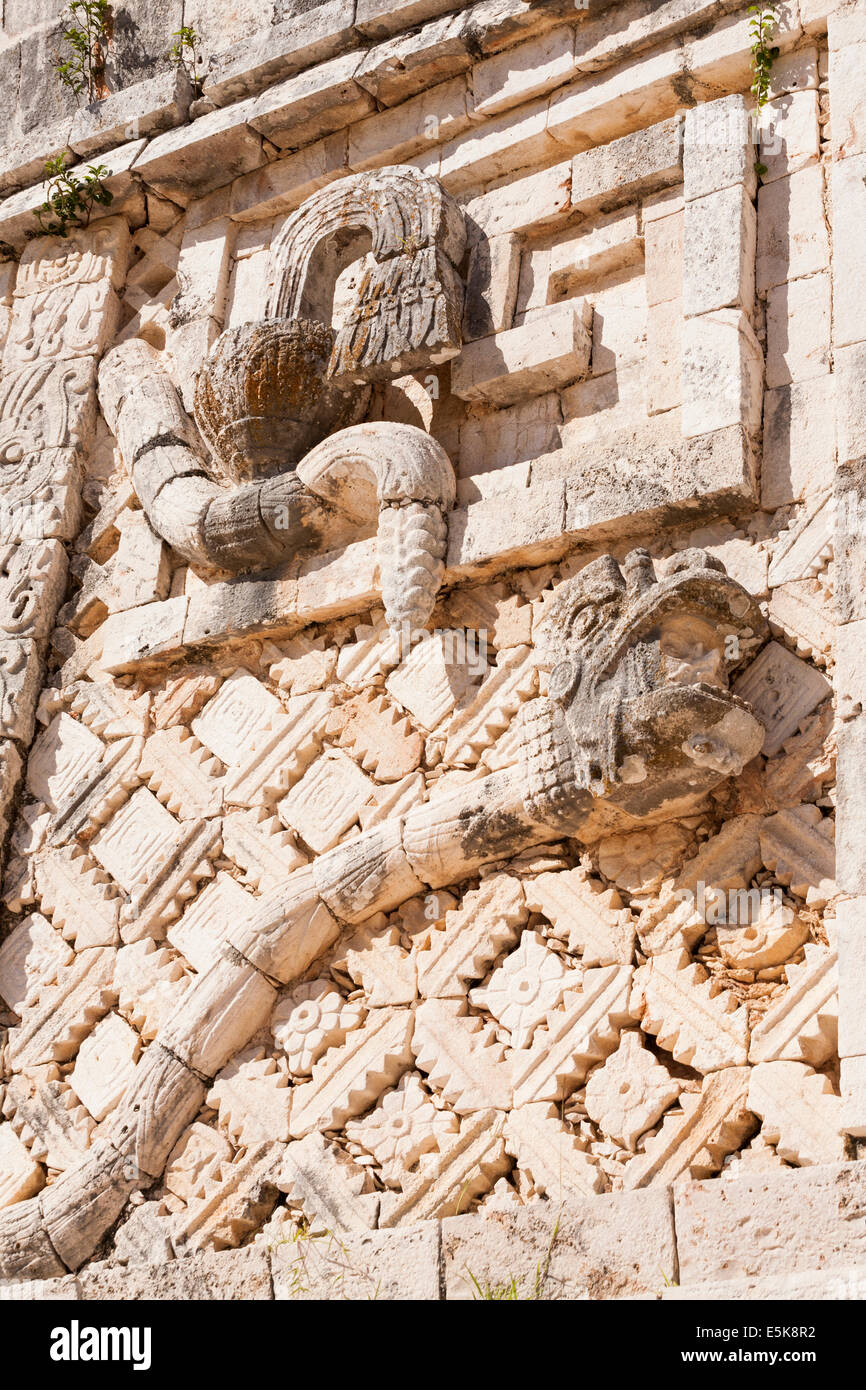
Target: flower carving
404	1125
528	984
630	1092
311	1019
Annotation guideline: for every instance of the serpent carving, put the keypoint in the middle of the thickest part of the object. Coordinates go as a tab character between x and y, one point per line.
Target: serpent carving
278	401
638	725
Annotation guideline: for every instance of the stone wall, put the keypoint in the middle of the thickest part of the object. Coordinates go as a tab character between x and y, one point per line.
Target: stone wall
430	608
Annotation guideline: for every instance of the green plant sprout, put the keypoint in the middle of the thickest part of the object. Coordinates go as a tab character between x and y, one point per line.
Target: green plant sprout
88	29
184	53
761	29
71	199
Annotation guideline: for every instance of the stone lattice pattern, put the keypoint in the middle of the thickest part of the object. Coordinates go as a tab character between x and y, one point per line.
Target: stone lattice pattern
558	1026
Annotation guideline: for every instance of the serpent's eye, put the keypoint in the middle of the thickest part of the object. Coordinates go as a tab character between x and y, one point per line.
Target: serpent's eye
564	680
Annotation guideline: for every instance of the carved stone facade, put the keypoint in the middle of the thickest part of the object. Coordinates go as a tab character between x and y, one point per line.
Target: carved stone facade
430	612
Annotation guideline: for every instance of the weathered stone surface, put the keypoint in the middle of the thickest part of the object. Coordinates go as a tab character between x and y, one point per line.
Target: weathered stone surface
602	1247
771	1224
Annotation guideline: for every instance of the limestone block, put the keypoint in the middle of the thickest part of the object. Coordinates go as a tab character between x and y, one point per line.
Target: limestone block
295	41
143	633
79	898
331	1190
469	938
769	1224
404	1126
350	1078
53	1126
57	1018
790	134
663	244
29	957
253	1097
20	1175
853	1087
850	364
230	723
490	151
20	683
64	754
150	980
379	738
459	1055
40	496
143	109
199	934
84	256
674	1001
227	1274
233	1205
593	109
782	691
415	61
506	79
798	332
280	751
717	148
392	1265
188	162
664	353
800	613
711	1124
719	237
491	286
792	233
386	972
611	1246
642	162
518	433
257	842
105	1064
429	681
108	710
140	837
326	801
32	576
584	1031
399	135
477	723
630	1092
549	1154
548	352
467	1166
310	1020
801	1113
798	846
140	573
282	186
722	373
849	109
72	321
799	441
312	104
532	200
184	776
195	1159
378	18
590	917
